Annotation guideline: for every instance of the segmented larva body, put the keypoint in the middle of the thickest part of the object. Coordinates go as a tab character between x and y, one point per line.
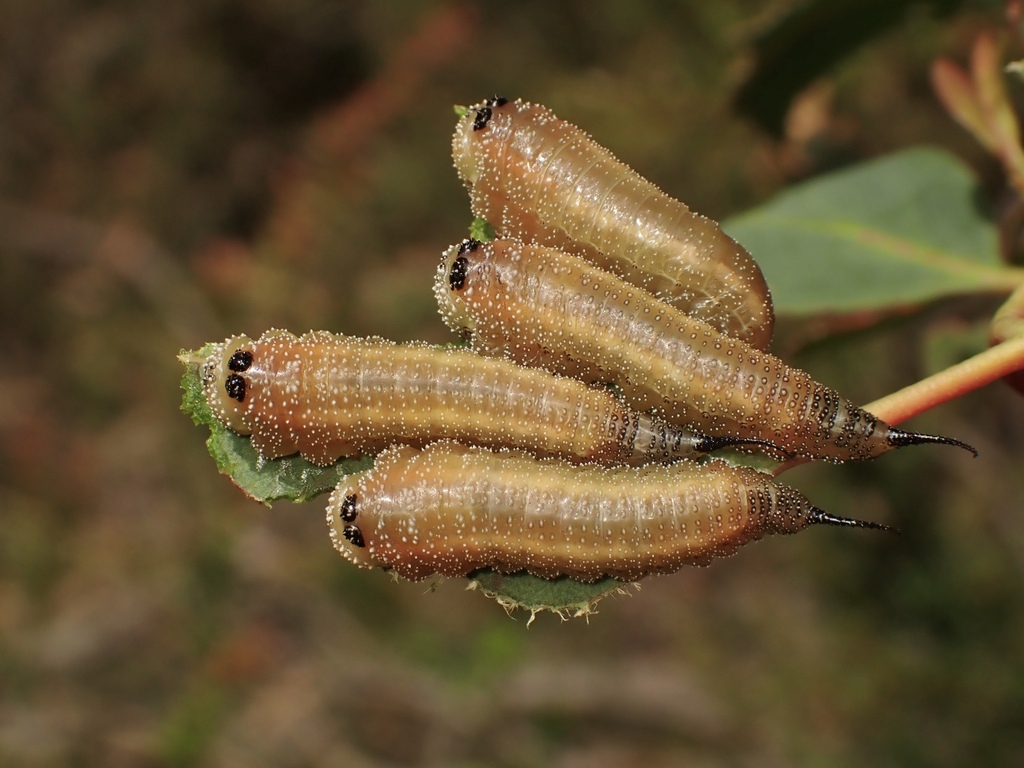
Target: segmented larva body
451	510
539	179
540	306
329	396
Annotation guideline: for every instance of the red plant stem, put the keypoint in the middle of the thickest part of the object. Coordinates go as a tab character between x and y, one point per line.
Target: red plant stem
984	368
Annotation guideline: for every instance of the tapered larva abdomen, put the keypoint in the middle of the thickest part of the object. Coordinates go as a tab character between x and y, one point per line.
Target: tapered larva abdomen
452	510
543	307
539	179
329	396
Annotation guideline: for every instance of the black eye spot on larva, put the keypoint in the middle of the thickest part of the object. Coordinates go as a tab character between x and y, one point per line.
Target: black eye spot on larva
240	361
457	275
496	101
483	116
353	534
348	509
235	387
468	245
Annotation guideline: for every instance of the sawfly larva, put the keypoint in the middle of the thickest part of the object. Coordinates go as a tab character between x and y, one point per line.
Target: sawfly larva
452	510
539	179
543	307
330	396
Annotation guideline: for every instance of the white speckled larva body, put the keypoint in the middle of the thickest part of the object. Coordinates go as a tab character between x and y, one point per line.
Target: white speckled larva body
540	306
451	510
329	396
539	179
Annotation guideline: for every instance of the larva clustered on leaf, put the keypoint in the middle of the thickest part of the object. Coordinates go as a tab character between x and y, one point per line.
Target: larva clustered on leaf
554	499
452	510
542	307
329	396
539	179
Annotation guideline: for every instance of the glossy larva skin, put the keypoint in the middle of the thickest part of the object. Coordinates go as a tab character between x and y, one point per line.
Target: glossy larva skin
451	510
543	307
539	179
329	396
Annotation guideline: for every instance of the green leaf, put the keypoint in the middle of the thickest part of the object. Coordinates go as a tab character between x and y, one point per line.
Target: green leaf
481	230
902	230
563	596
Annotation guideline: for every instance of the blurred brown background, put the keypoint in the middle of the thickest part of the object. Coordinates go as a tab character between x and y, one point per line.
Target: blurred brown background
173	173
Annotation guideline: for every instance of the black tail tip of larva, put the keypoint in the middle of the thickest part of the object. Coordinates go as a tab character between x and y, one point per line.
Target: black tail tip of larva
821	517
898	438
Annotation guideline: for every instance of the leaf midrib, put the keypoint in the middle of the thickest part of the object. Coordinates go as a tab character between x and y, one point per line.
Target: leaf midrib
995	276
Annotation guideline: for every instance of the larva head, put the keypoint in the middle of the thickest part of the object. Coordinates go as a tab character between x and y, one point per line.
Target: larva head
454	282
343	520
477	125
353	513
225	382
